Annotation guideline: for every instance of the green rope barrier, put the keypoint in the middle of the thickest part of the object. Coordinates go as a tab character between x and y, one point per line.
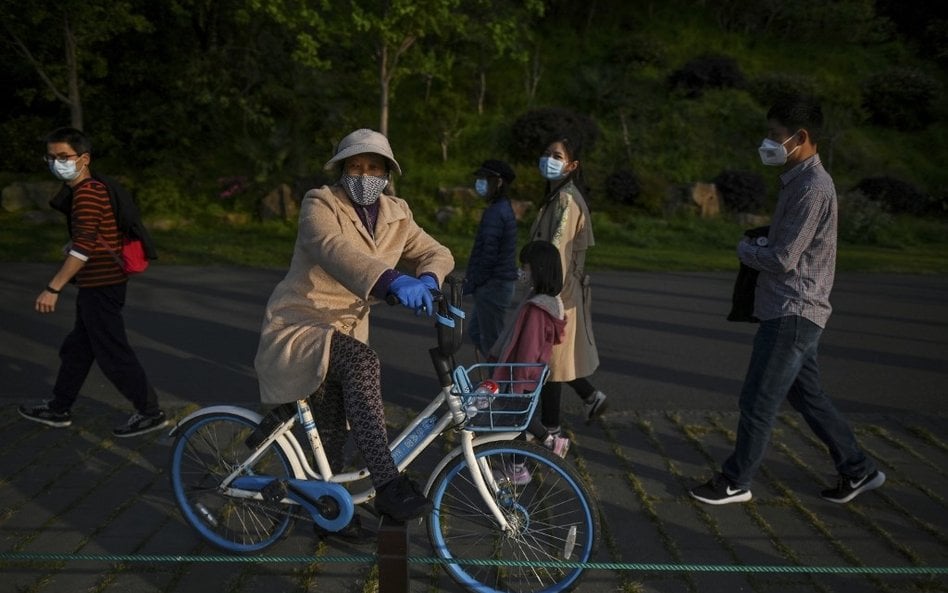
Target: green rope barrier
370	558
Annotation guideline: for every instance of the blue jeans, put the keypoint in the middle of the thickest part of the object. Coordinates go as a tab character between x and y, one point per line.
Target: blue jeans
491	302
783	365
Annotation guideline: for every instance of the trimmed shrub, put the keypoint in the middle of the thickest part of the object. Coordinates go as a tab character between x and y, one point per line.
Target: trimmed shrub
895	195
534	130
900	98
767	88
623	187
862	220
707	72
741	191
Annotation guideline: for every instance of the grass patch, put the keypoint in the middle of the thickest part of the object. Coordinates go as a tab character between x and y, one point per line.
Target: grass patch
623	242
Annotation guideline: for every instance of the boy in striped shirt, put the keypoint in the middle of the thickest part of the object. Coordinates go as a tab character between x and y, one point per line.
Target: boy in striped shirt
99	332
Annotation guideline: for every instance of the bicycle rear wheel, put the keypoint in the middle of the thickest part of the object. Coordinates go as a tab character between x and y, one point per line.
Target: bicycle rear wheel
206	450
553	517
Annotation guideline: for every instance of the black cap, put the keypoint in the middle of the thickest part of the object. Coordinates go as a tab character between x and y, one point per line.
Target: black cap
496	168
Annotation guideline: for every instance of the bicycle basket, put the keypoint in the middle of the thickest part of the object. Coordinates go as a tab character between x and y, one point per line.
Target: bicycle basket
511	408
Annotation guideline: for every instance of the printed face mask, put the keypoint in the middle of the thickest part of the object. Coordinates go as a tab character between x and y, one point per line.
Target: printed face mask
364	190
480	186
551	169
775	153
64	170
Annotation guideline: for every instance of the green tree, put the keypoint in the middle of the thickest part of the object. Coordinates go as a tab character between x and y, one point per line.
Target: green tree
63	43
391	29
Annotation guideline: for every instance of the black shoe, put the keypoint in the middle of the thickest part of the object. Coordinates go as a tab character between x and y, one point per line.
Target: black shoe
43	414
847	489
402	500
719	490
140	424
353	533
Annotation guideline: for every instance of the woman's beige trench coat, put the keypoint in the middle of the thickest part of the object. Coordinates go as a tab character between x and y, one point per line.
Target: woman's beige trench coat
564	221
335	264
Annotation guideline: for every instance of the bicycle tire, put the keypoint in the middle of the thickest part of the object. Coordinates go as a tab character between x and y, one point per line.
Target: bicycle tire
205	451
555	515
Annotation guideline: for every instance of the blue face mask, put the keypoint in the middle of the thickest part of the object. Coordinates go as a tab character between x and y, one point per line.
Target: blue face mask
551	168
481	187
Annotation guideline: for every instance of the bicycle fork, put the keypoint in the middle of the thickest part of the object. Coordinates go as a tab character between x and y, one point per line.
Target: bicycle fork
480	471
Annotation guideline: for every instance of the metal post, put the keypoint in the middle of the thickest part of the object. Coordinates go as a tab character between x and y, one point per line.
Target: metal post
393	556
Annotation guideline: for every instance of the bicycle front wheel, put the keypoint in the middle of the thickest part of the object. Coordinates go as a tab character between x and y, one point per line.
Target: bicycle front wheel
206	450
552	518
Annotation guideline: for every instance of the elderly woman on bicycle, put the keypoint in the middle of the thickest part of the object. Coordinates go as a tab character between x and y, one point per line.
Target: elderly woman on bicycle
313	343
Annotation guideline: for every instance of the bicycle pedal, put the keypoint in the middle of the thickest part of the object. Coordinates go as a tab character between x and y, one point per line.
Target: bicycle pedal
275	491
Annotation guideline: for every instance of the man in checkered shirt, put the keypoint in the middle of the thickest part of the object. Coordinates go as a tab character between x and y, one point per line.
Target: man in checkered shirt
797	263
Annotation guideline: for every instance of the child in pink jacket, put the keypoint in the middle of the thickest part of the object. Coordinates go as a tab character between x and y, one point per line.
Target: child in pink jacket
539	324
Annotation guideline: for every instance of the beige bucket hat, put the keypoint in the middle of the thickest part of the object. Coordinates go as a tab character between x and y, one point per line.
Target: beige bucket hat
363	140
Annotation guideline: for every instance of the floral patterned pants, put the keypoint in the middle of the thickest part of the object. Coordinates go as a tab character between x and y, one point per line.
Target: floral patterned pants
353	391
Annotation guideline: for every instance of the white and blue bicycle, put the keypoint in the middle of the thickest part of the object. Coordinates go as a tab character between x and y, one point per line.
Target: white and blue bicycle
244	497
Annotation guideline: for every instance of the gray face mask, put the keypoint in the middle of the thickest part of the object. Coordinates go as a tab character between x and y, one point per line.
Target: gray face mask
363	190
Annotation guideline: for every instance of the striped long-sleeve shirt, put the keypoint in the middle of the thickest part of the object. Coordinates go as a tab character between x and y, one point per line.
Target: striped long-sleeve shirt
798	265
92	223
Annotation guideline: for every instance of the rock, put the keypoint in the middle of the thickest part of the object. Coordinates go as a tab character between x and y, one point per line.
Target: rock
43	217
746	219
708	199
445	214
457	195
27	195
279	204
521	208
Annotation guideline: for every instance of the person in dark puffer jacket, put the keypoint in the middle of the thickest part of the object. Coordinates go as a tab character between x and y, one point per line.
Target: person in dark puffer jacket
492	268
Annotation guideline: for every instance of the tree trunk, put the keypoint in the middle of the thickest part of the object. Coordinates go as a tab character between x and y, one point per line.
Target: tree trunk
482	93
383	89
72	66
625	134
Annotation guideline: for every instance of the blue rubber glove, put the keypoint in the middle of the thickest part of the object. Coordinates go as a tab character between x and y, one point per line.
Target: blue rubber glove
412	293
430	281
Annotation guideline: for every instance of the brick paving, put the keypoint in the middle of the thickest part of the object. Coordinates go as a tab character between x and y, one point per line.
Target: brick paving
78	491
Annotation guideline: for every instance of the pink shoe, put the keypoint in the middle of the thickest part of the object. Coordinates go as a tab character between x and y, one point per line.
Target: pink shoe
557	444
518	474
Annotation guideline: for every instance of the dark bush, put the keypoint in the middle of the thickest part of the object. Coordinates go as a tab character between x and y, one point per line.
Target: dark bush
707	72
769	87
895	195
900	98
741	191
534	130
623	187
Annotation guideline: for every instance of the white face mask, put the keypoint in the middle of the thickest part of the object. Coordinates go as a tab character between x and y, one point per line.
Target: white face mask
364	190
64	170
775	153
481	187
551	169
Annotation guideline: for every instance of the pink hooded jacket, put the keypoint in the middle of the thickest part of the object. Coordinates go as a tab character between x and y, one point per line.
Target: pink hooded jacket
540	323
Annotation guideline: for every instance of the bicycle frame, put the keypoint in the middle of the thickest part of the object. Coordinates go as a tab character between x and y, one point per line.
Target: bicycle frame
321	481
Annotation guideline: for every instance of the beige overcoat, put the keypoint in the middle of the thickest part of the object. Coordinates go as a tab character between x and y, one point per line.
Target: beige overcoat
564	221
335	264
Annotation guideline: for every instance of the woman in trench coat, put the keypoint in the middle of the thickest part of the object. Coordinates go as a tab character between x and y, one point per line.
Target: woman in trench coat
564	221
314	339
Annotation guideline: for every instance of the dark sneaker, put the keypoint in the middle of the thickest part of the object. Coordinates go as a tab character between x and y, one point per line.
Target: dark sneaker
847	489
594	406
719	490
402	500
140	424
43	414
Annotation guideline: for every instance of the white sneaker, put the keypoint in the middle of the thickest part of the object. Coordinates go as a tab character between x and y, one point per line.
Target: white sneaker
594	406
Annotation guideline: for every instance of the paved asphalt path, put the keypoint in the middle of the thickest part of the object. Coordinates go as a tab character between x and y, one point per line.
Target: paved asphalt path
672	367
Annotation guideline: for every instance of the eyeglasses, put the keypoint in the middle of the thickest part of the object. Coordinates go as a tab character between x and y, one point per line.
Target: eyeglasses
62	159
